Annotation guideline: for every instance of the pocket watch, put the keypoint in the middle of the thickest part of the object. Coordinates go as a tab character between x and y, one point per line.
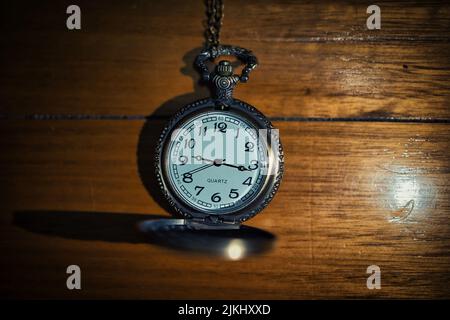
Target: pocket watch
219	161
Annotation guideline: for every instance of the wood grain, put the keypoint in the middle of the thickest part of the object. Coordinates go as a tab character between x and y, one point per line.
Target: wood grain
317	59
354	194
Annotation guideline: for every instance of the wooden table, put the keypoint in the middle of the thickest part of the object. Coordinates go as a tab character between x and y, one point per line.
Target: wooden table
363	116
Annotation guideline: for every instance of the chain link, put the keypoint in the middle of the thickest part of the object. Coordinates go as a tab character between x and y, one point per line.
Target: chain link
214	15
213	48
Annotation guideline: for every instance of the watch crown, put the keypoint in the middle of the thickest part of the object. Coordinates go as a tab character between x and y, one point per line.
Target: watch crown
224	68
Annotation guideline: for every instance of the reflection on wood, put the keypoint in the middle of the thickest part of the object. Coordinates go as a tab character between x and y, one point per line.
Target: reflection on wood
354	194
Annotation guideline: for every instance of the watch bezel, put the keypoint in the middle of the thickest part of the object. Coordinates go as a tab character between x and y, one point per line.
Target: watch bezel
265	194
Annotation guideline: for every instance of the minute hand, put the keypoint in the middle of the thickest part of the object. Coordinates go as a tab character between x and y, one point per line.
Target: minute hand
198	169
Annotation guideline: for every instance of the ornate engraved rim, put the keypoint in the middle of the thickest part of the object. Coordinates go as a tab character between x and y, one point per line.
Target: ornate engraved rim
242	214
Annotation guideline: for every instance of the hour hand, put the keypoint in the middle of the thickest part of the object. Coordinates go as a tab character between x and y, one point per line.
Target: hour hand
242	168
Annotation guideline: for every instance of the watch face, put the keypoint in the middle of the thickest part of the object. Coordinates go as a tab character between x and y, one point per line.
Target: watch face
219	164
215	162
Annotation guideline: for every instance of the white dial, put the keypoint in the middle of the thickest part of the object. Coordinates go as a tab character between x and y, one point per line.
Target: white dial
216	162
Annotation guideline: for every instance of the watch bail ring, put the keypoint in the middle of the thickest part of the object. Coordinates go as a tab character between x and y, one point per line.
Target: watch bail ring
244	55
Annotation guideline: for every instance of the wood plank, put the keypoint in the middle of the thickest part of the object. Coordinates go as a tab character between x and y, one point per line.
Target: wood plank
316	59
264	20
338	21
354	194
